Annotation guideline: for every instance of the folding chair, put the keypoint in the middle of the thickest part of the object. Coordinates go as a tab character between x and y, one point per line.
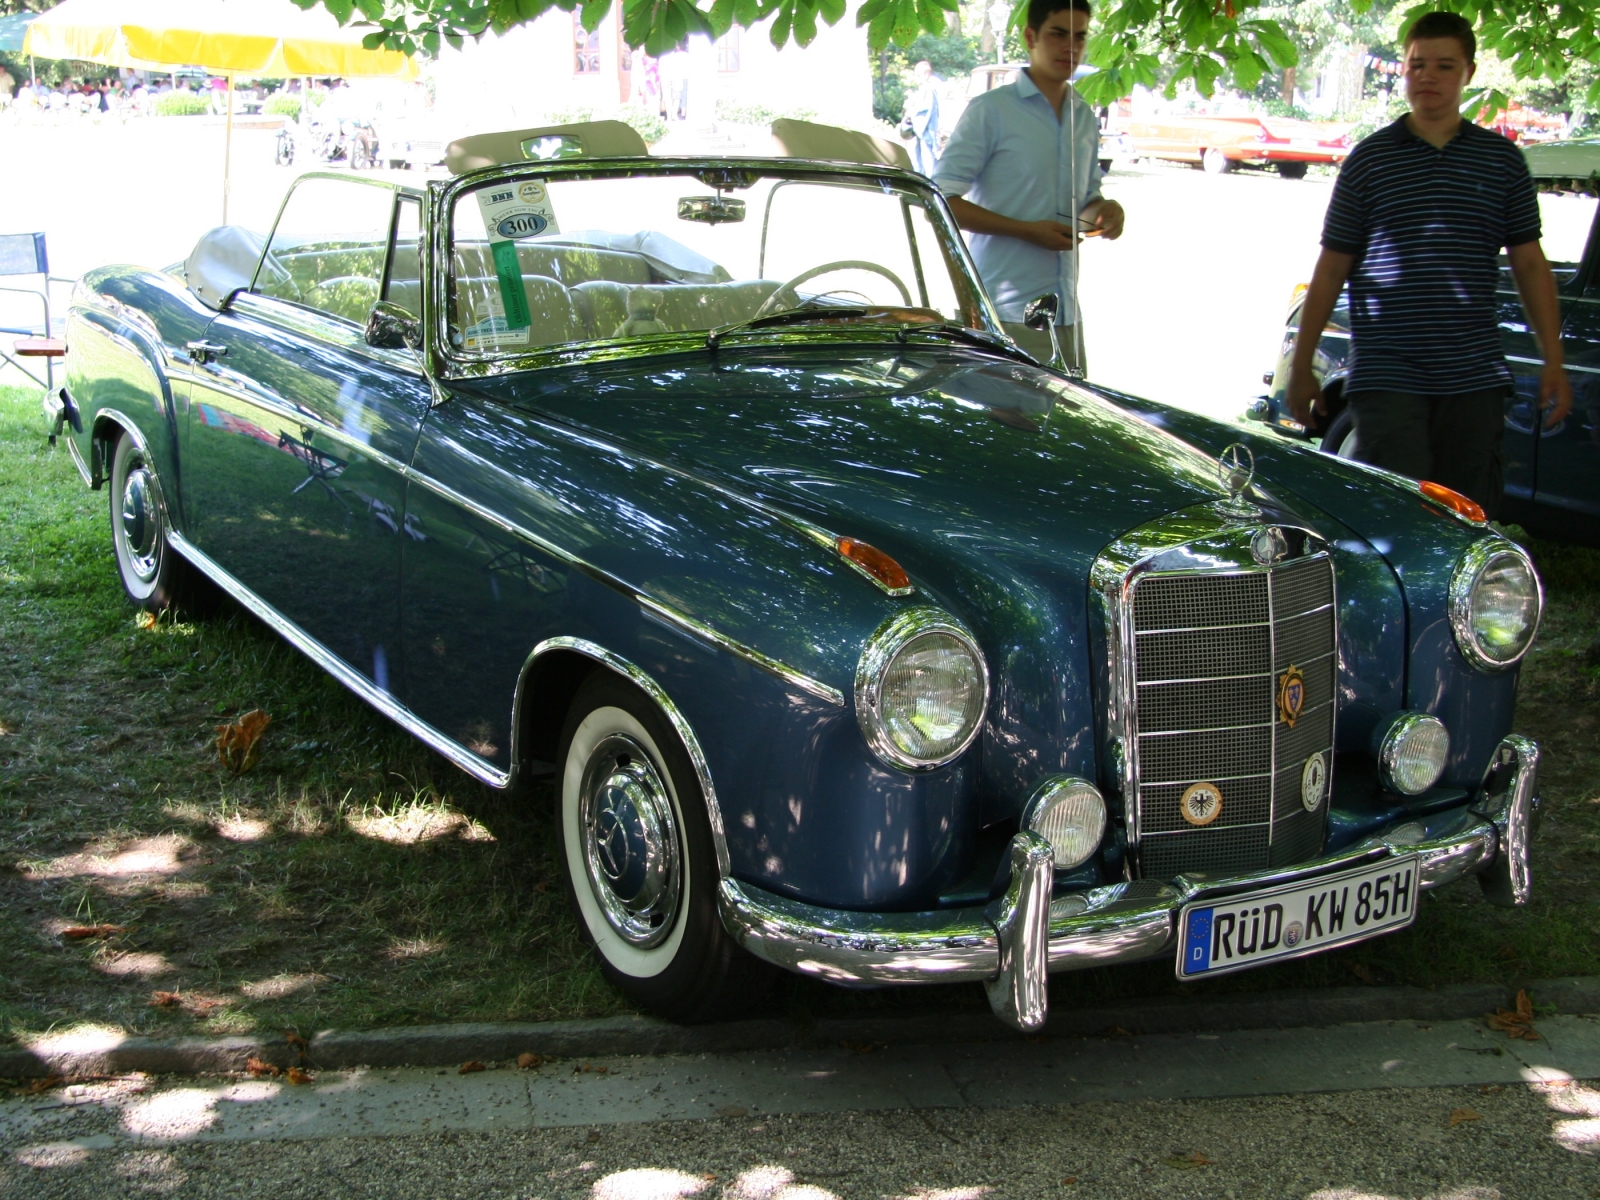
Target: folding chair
21	255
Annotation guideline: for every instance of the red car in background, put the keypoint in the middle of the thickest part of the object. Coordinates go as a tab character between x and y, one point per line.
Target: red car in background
1220	144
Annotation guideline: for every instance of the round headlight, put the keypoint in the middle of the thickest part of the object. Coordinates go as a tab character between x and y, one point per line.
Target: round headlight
1412	749
1069	814
1495	602
921	689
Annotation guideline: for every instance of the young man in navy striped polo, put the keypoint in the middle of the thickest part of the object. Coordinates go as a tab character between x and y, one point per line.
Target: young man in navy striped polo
1417	219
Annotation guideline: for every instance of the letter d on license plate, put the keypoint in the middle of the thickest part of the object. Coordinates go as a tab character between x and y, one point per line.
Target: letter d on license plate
1252	928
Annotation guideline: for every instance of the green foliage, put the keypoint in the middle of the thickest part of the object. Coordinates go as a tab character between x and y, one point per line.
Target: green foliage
1136	42
759	114
888	98
281	105
949	54
181	104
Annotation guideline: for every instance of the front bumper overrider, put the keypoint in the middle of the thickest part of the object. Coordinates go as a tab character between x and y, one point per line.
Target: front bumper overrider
1015	942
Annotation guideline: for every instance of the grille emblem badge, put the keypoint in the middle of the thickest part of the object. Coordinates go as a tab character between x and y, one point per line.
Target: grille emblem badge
1313	782
1268	545
1291	695
1201	803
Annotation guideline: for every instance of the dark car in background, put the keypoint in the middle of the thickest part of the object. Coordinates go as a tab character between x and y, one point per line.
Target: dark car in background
856	640
1552	476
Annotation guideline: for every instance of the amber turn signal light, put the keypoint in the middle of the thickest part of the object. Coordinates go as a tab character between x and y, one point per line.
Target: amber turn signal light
1462	506
875	563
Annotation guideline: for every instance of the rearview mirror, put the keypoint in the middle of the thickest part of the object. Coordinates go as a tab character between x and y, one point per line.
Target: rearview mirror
1041	313
390	327
710	210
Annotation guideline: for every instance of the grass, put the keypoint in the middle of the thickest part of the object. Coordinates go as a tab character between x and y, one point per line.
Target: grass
352	879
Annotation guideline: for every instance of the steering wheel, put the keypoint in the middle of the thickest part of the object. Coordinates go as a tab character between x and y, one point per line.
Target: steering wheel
772	305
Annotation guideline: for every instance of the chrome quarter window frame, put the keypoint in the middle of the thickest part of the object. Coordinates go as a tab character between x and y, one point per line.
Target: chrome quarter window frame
439	215
887	641
1459	600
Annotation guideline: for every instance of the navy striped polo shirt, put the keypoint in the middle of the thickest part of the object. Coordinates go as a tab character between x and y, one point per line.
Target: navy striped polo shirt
1426	226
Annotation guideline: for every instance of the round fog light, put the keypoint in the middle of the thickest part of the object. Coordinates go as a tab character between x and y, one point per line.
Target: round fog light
1069	814
1412	749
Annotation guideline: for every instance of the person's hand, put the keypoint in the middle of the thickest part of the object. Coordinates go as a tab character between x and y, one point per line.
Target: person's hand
1304	394
1105	217
1555	394
1049	235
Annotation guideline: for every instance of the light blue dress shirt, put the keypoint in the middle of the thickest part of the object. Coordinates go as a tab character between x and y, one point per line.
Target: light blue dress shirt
1012	155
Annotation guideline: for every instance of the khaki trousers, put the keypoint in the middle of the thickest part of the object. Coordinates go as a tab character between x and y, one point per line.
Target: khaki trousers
1037	343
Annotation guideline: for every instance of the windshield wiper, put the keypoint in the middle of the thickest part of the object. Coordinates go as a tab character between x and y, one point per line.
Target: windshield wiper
789	316
965	333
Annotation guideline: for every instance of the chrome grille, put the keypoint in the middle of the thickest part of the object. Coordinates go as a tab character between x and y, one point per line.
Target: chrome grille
1208	651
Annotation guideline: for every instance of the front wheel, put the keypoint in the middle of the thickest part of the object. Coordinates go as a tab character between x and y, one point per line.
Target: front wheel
285	151
1340	438
640	860
153	575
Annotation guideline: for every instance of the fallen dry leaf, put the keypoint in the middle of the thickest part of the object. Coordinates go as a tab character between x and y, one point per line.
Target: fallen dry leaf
1489	1089
1069	1181
468	1067
295	1040
1115	1031
1518	1024
297	1076
165	999
527	1061
1360	971
239	743
594	1136
542	886
147	620
257	1068
1189	1162
1463	1114
79	932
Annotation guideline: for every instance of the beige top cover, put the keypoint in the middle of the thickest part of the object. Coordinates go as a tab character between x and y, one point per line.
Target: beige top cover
829	143
599	139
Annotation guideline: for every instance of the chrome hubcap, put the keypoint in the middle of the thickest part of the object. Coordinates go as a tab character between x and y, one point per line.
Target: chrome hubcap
141	523
630	841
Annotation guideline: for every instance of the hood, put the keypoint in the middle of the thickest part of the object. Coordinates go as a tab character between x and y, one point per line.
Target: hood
934	446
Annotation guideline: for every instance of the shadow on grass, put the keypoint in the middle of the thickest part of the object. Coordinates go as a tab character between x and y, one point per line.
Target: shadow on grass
353	879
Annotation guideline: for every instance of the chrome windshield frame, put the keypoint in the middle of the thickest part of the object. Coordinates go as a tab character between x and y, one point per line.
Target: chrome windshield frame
438	214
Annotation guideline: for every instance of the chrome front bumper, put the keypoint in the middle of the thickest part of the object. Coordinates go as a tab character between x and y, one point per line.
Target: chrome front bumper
1015	942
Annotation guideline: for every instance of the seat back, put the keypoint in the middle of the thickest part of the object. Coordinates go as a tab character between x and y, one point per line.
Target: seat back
23	254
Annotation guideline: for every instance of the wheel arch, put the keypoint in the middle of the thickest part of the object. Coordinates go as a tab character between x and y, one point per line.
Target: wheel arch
108	425
550	679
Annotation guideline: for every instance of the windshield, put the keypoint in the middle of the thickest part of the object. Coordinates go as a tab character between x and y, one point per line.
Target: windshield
545	261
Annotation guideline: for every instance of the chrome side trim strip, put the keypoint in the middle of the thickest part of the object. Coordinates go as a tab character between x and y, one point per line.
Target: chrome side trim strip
656	692
364	688
685	623
1539	362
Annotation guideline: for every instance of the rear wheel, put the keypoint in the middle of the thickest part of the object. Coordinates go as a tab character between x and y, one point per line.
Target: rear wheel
1215	162
640	860
285	151
1292	170
153	574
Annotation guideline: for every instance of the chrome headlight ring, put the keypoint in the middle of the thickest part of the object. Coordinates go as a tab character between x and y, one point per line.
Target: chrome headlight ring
913	629
1484	555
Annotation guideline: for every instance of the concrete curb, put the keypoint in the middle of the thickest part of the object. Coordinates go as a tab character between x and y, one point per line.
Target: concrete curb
448	1045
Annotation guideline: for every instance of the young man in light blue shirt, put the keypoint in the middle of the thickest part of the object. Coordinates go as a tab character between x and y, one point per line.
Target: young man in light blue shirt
1022	173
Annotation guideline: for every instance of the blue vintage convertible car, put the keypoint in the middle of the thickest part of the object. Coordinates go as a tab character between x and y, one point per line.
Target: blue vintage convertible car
857	641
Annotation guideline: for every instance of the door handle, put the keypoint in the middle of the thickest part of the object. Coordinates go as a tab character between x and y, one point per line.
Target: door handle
201	353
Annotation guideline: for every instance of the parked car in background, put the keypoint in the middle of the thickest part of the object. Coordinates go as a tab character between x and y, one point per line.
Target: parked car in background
856	641
1221	144
1552	476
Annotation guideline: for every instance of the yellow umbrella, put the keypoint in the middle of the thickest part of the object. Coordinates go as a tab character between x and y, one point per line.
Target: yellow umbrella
265	39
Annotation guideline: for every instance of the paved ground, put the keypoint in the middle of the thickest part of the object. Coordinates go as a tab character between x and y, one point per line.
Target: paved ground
1186	307
1449	1111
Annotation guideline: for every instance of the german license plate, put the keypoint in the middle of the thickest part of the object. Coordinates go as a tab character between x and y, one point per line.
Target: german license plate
1219	936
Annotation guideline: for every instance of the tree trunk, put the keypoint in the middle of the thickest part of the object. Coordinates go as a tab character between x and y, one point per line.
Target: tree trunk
1288	85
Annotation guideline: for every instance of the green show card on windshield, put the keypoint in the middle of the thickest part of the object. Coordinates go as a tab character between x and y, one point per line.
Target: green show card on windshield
509	272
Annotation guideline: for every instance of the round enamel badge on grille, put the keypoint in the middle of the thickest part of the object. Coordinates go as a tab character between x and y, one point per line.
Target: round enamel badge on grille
1313	782
1201	803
